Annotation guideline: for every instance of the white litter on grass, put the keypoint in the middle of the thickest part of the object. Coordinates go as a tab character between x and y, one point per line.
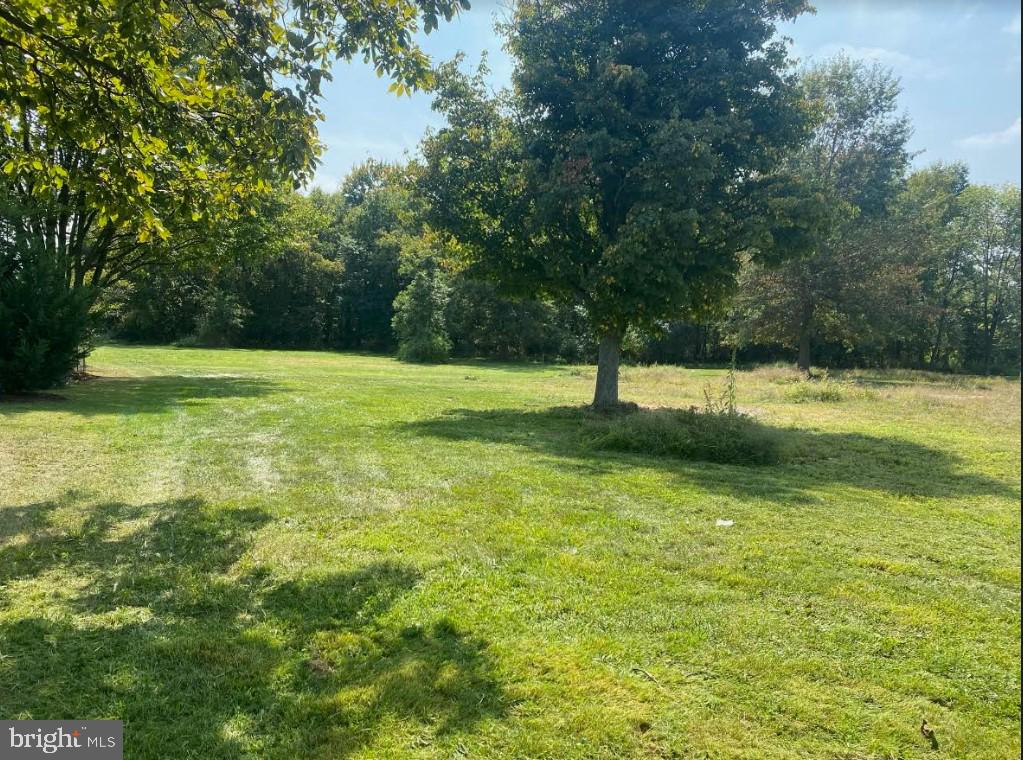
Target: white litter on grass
725	523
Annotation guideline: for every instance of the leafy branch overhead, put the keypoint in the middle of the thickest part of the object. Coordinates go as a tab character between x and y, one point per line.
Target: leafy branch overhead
179	108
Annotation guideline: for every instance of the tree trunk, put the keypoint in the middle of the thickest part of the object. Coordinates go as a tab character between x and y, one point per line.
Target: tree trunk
938	340
609	355
806	324
804	351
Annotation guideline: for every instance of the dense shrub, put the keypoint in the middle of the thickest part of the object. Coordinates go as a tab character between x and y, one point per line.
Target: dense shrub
44	325
717	433
419	319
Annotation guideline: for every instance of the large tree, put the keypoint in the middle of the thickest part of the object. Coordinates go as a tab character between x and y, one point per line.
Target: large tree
635	160
856	159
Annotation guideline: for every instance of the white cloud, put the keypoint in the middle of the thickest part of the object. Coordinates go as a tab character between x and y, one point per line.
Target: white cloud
903	64
1013	26
1005	136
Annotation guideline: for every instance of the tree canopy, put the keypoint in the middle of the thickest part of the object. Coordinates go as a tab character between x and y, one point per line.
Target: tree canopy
196	101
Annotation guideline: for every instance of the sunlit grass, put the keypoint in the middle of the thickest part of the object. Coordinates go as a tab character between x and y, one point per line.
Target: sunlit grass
287	554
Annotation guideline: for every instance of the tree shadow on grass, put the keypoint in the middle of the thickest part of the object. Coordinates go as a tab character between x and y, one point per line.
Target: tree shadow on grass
151	614
809	458
138	395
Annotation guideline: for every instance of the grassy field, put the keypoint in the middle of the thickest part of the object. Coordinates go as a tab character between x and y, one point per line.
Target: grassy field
313	555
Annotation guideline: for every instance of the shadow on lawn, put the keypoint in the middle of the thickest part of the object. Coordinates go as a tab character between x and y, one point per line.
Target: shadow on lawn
134	395
810	458
141	614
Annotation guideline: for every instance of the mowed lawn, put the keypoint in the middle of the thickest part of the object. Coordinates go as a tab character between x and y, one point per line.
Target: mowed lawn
317	555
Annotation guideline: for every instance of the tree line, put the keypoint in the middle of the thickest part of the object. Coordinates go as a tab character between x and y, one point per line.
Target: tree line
920	269
351	270
932	284
659	183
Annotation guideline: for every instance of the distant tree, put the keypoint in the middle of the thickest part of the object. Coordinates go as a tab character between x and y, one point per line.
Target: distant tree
419	318
375	218
276	266
483	322
992	217
286	274
221	319
856	159
927	231
962	242
158	305
636	159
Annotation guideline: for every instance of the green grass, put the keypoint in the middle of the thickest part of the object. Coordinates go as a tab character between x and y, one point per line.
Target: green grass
310	555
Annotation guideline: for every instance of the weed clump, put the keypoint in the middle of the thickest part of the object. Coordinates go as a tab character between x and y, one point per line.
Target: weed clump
692	433
718	432
810	391
824	389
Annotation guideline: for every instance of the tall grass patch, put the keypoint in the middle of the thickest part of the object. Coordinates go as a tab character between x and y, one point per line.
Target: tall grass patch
825	389
698	434
718	432
822	391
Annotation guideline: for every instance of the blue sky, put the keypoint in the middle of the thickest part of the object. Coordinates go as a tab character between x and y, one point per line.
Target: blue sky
959	62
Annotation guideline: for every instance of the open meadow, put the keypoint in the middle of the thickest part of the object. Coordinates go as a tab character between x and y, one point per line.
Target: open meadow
319	555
